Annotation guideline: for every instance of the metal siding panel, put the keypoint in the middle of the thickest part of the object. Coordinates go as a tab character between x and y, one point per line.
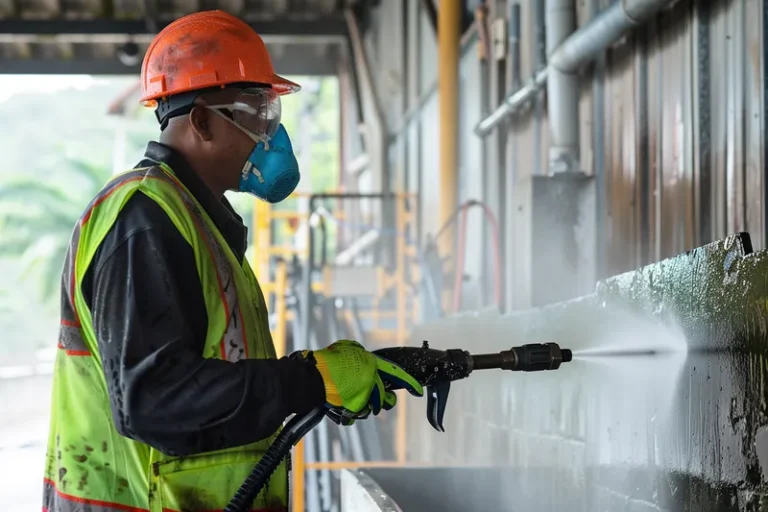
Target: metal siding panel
719	118
702	124
430	170
736	63
391	60
470	172
413	50
653	171
670	122
676	208
734	127
753	116
672	172
428	47
413	158
653	141
530	131
621	180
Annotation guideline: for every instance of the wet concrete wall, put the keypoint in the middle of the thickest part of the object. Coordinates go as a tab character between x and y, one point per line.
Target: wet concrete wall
685	429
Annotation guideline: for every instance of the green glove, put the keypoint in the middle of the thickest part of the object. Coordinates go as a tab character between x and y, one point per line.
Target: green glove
354	378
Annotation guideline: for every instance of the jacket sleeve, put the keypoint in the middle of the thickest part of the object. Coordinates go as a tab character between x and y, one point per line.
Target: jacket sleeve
149	317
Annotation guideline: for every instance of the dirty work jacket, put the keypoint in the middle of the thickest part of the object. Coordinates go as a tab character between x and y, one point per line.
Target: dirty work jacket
119	439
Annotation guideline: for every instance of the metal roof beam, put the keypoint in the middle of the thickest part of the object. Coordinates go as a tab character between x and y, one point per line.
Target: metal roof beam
295	62
323	29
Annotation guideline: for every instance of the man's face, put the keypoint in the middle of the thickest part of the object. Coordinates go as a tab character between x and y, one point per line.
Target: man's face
225	146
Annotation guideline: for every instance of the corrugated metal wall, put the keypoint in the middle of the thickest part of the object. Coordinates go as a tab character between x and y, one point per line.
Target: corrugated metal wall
682	122
671	128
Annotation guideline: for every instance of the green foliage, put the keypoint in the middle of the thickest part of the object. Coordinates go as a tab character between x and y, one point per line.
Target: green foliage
37	218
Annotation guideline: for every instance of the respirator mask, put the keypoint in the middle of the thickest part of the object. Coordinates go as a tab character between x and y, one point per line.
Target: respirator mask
271	171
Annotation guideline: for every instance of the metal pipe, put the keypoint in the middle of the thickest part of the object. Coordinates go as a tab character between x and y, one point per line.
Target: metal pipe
603	31
448	42
583	46
512	104
562	91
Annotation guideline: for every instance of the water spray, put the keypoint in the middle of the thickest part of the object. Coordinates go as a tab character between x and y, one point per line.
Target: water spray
588	354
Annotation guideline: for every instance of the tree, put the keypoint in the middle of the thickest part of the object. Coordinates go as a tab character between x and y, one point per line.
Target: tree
37	217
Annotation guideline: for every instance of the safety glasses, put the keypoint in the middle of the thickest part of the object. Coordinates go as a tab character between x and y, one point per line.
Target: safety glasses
256	110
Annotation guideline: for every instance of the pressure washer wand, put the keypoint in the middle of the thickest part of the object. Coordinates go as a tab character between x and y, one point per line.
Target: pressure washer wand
434	369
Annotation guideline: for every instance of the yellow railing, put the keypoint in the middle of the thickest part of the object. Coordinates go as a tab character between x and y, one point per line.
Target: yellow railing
264	222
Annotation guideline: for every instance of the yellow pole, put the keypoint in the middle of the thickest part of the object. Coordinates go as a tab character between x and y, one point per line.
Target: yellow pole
281	284
448	43
297	489
262	224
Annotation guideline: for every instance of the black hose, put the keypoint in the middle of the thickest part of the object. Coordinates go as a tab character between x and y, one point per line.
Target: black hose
277	452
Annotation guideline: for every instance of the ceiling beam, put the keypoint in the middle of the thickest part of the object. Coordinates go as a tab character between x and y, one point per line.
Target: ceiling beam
310	66
328	29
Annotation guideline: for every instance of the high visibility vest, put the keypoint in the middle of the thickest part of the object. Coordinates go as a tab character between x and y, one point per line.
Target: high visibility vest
87	461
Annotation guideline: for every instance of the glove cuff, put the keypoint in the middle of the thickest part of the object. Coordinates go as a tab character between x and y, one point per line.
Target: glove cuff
332	395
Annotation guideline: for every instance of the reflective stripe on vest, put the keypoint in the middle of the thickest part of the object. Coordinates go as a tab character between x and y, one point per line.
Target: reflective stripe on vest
89	465
54	500
234	344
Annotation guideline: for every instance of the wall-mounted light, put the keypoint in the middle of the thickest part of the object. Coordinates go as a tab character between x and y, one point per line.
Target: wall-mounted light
128	53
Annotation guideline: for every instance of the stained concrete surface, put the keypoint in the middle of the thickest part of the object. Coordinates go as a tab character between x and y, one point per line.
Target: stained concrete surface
684	430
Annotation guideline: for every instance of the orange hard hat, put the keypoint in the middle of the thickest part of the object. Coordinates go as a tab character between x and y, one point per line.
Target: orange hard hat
206	49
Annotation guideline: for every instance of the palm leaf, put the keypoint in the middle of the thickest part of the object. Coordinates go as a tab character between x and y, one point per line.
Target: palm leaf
31	191
37	218
95	176
15	247
38	199
35	223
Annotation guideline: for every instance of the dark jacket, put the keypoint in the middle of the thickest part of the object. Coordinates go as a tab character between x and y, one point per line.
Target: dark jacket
146	300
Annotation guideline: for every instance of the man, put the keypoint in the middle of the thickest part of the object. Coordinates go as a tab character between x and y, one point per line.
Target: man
166	389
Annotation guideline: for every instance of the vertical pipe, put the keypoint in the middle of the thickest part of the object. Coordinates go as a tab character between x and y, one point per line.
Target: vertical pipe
539	63
402	327
448	42
508	211
598	141
342	77
562	92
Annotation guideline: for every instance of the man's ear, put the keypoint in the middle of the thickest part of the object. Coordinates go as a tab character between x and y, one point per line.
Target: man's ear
199	120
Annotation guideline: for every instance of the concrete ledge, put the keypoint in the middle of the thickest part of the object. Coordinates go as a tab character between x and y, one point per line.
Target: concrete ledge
360	493
678	431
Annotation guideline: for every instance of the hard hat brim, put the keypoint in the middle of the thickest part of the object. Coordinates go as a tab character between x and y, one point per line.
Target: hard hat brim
280	84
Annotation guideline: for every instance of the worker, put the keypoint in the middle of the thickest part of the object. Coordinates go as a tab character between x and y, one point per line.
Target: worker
167	389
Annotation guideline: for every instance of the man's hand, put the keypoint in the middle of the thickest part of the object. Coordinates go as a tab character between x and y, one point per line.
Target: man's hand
354	380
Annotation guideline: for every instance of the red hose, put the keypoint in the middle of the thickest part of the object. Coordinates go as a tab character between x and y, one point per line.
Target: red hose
461	247
458	281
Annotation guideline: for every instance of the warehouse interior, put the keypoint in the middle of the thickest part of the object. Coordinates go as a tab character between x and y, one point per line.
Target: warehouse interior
477	174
